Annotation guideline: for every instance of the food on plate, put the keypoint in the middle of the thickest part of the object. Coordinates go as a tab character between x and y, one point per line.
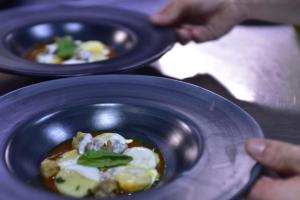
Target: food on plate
101	165
66	50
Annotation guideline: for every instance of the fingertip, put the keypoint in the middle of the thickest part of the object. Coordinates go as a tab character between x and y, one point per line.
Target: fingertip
200	33
197	36
276	155
183	36
256	147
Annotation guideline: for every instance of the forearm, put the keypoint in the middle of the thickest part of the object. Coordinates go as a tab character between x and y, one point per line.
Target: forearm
282	11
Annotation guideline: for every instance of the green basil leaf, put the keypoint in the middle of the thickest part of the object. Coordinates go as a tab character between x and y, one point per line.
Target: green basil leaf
66	47
103	159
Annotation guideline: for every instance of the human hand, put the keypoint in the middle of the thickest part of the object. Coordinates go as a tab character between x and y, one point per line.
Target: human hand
200	20
279	157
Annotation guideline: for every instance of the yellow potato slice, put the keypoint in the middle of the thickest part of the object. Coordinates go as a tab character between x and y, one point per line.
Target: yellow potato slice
68	155
93	47
49	168
133	179
73	184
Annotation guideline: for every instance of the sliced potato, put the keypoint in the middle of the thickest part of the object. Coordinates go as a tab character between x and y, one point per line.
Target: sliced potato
94	47
133	179
73	184
107	188
157	158
153	174
68	155
49	168
76	140
57	60
98	57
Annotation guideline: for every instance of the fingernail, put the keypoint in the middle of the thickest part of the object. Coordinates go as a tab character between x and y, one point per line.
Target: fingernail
256	147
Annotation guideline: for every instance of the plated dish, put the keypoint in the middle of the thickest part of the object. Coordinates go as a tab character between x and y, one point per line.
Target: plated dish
199	134
101	165
119	43
67	51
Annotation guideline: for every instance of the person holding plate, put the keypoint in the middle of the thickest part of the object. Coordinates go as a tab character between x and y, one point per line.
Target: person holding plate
205	20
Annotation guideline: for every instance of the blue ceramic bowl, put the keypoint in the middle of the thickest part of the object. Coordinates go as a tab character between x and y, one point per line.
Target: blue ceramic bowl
129	33
200	134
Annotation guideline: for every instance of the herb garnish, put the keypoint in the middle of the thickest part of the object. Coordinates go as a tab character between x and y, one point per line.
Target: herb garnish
66	47
103	159
59	180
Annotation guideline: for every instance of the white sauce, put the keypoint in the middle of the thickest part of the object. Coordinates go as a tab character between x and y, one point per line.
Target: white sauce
84	55
46	58
142	157
88	172
88	138
51	48
105	137
118	142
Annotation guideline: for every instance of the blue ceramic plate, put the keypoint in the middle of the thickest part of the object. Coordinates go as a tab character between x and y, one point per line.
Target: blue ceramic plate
200	134
129	33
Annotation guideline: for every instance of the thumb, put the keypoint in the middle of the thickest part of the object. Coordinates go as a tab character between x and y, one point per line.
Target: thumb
270	189
279	156
170	15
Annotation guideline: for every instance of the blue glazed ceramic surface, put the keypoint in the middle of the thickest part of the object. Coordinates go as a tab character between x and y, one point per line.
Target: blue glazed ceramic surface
129	33
200	134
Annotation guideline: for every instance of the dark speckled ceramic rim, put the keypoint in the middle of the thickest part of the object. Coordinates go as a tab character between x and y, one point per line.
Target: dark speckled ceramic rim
153	41
158	90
